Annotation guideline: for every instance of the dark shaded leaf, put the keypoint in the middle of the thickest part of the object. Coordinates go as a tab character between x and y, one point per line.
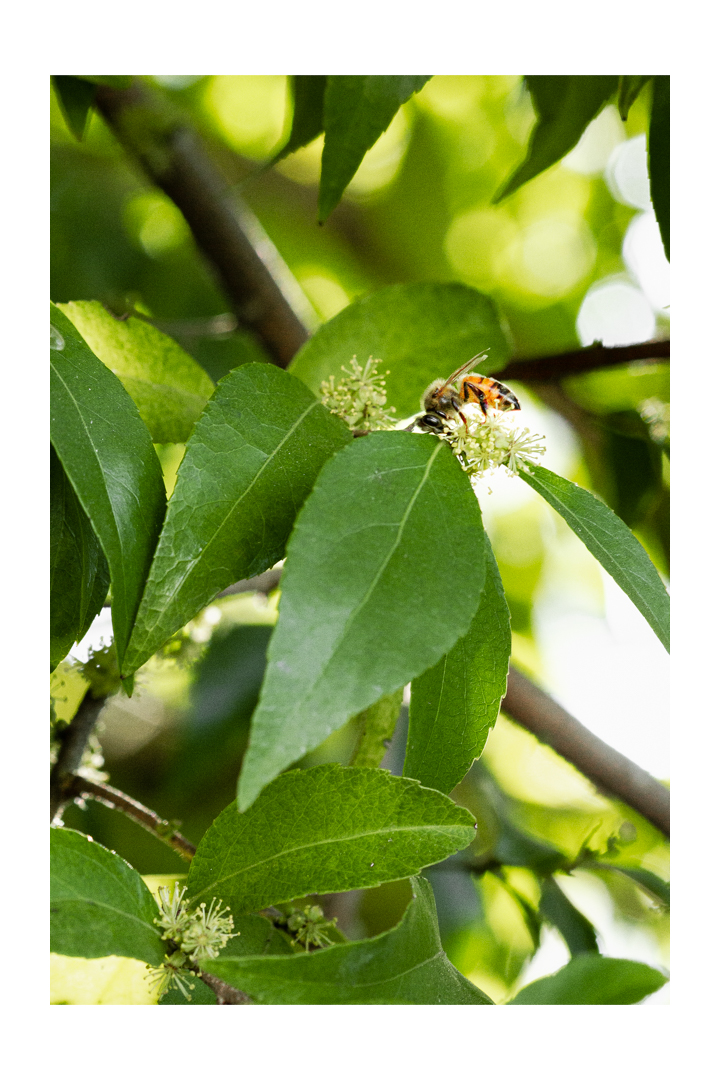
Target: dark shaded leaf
250	463
593	980
327	829
611	542
388	514
455	704
79	575
358	108
308	93
420	332
169	388
108	456
579	932
564	106
404	966
99	905
628	89
116	82
75	98
659	156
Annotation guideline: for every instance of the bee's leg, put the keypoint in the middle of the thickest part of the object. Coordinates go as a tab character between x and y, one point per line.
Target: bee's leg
471	392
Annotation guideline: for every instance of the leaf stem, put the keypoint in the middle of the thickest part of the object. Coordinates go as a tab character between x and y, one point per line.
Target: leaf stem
118	800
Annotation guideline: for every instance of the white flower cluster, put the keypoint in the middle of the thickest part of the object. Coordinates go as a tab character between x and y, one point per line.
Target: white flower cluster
197	935
360	398
492	442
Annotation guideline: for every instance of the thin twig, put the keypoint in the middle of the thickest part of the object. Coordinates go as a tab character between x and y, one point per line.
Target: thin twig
226	995
174	159
73	740
264	583
561	365
611	771
118	800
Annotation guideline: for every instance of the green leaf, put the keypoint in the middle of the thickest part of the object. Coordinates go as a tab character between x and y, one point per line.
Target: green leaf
359	617
108	455
79	575
651	884
169	388
628	89
659	156
75	98
611	542
308	93
327	829
99	905
564	106
116	82
357	109
250	463
593	980
579	932
200	994
404	966
455	704
421	331
377	724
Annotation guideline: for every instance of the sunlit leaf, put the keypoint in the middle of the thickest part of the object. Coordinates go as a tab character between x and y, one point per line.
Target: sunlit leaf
611	542
108	456
455	704
650	883
420	332
169	388
593	980
404	966
249	465
659	156
359	616
99	905
327	829
564	106
79	576
308	92
578	931
629	87
358	108
75	98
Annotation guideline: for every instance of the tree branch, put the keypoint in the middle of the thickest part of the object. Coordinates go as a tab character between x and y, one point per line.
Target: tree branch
226	995
611	771
561	365
118	800
73	740
175	160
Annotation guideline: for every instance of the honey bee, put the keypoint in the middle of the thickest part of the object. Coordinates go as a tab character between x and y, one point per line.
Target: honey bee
444	397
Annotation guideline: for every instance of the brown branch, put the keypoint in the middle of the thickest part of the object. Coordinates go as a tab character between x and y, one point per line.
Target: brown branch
561	365
176	161
73	740
226	995
264	583
611	771
118	800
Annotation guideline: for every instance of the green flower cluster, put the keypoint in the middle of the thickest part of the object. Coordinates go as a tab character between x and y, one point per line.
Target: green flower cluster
196	935
360	398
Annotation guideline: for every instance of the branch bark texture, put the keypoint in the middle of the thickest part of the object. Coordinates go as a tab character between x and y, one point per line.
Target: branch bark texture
578	361
611	771
72	746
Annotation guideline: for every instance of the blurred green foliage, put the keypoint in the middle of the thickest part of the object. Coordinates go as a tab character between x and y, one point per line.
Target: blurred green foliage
418	210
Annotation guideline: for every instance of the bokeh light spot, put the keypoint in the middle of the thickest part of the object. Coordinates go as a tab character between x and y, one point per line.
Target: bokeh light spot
645	256
627	174
600	138
154	223
615	313
249	111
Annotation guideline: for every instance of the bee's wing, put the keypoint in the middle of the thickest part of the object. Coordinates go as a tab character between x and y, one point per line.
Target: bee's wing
461	370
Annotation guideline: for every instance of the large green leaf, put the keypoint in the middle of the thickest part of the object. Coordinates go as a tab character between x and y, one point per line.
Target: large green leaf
75	98
249	465
611	542
659	156
169	388
108	455
357	109
404	966
391	519
564	106
308	93
421	331
79	576
593	980
99	905
455	704
327	829
578	931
